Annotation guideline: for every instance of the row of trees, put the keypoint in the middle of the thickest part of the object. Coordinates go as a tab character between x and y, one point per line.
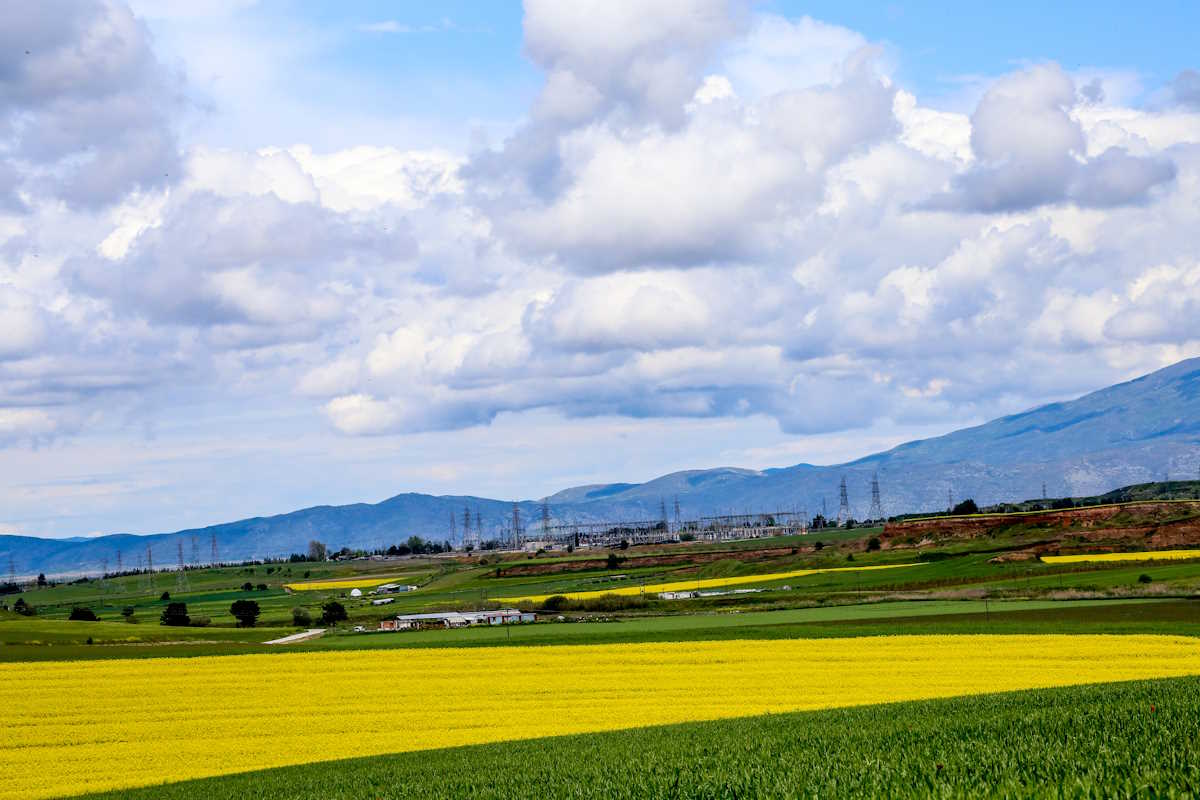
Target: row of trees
247	612
414	545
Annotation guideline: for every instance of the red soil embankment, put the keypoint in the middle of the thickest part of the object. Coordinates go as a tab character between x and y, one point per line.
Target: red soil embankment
579	565
1150	524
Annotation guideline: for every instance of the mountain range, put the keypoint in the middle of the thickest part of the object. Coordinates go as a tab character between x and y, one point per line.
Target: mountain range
1132	432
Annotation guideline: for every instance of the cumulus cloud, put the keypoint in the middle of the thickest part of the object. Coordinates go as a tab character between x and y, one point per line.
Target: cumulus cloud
253	260
85	107
643	59
706	212
1031	151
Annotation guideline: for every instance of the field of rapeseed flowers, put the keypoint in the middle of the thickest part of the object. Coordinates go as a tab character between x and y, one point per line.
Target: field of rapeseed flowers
700	583
1146	555
339	583
72	727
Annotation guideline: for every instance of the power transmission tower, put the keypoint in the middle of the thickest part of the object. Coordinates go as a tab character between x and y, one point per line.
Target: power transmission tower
1043	490
104	572
143	576
454	529
181	581
876	511
949	499
120	567
150	565
678	523
662	508
516	527
546	519
213	556
843	504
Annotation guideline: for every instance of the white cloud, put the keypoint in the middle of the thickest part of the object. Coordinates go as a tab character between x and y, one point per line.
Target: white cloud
713	215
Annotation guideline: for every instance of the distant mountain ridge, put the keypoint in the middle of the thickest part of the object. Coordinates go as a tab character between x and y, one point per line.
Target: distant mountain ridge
1132	432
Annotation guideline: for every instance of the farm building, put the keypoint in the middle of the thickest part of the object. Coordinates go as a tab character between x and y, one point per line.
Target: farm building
397	625
458	619
394	588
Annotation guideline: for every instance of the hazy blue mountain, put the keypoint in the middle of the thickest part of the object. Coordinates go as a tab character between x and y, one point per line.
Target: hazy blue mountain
1129	433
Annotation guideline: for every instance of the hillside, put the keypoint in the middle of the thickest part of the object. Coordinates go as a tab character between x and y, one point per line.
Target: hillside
1130	433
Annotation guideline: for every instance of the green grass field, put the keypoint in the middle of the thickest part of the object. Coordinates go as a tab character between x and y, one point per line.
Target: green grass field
24	639
1116	740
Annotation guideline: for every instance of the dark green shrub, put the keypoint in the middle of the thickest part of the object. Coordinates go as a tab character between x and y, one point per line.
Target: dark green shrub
175	614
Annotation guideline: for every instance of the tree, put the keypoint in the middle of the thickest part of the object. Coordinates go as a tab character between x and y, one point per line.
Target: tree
613	562
247	587
555	602
165	596
333	612
819	545
23	608
41	579
317	550
175	614
82	614
965	507
262	587
127	612
1144	578
246	612
624	544
873	543
301	618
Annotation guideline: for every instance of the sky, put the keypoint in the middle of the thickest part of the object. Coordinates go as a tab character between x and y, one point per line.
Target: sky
258	256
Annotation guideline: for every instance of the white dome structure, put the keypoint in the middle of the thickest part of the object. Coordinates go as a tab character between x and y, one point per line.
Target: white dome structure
356	592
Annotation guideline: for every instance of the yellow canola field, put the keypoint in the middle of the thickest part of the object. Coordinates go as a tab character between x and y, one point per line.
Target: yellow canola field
342	583
697	583
1147	555
74	727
